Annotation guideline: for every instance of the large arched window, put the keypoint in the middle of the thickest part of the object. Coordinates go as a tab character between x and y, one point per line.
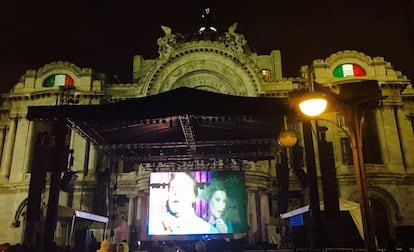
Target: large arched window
267	74
344	70
382	222
60	80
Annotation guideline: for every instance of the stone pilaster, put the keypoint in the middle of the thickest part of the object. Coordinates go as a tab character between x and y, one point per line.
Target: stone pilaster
252	210
93	160
406	138
139	206
29	149
8	152
389	139
264	213
21	149
3	135
142	211
131	205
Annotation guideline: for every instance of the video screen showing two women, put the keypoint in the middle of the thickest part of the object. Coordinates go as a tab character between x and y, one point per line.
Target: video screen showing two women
201	202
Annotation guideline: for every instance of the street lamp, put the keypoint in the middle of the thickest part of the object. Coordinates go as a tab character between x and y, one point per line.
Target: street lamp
286	138
352	102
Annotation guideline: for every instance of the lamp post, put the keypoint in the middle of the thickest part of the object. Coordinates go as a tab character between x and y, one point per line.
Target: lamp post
288	139
352	103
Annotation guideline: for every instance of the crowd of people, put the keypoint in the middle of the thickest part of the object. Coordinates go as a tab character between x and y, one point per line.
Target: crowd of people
169	246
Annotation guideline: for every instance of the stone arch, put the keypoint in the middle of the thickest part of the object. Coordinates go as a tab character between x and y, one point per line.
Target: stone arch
380	197
383	203
205	68
385	198
335	57
206	80
20	211
59	67
324	68
62	65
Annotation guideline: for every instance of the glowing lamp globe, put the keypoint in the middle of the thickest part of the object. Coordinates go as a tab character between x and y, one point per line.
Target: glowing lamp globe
313	104
287	138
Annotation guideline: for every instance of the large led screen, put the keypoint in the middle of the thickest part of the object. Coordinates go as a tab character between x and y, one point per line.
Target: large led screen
200	202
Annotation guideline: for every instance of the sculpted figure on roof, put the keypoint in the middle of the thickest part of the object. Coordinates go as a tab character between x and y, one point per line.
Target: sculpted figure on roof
167	43
235	41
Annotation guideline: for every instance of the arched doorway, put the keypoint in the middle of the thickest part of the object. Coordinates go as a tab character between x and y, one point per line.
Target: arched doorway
381	221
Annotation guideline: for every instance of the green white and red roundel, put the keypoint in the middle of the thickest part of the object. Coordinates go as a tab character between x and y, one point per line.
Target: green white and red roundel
61	80
344	70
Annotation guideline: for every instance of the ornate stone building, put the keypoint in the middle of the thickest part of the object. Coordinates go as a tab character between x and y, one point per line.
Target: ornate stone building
222	63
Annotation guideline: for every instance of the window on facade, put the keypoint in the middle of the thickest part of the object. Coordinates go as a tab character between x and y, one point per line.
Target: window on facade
60	80
346	151
340	120
371	146
344	70
267	75
128	166
370	143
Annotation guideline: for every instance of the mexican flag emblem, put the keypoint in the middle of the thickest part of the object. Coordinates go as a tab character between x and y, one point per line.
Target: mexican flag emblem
348	70
62	80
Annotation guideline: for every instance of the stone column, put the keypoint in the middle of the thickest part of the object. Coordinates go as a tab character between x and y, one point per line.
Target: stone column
142	210
29	147
131	205
8	152
2	140
407	137
264	213
93	160
21	149
131	220
386	122
139	205
252	210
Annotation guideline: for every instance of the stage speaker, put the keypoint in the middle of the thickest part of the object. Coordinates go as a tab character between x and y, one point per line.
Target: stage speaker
329	179
68	181
301	177
282	201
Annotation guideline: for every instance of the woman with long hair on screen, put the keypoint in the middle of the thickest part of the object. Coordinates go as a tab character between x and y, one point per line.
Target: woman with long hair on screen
217	202
181	217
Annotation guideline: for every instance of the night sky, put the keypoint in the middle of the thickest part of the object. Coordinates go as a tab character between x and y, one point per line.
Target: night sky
105	34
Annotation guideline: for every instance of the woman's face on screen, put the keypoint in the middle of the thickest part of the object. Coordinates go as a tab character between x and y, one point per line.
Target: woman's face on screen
218	203
181	193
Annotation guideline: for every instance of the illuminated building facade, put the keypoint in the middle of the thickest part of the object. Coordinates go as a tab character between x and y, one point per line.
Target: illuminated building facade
222	63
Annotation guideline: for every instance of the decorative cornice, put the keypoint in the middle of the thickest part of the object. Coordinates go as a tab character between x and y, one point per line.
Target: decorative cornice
59	64
349	54
173	47
189	48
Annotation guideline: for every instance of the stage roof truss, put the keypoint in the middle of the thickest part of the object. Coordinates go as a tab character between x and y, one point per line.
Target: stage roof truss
178	125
